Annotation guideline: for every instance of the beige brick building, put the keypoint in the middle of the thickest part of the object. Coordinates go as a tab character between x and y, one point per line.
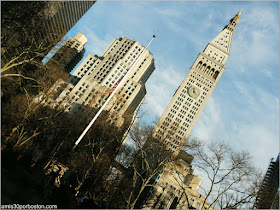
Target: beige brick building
96	77
176	187
178	119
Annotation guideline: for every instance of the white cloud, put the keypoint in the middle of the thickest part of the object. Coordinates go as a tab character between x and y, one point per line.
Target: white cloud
161	86
169	13
96	44
263	17
244	110
268	73
257	39
258	140
210	123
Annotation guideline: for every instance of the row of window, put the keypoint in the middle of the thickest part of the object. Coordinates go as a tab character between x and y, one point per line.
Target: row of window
170	144
172	141
202	77
106	68
122	50
215	55
121	68
129	60
139	68
131	87
199	81
207	62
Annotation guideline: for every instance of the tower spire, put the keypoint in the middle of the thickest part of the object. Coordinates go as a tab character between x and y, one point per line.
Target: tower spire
223	40
234	21
238	14
178	119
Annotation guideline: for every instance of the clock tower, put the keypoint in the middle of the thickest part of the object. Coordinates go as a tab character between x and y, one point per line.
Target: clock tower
178	119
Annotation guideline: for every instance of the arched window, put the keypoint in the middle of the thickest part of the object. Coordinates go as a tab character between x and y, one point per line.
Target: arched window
216	74
207	70
199	65
212	72
203	67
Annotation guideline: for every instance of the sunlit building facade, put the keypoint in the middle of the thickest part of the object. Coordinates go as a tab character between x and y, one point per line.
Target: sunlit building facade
181	114
176	187
97	76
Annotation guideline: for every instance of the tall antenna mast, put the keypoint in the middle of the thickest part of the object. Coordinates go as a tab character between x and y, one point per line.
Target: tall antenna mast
111	95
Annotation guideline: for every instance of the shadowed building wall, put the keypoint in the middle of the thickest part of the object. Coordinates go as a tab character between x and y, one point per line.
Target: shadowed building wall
69	55
269	190
97	76
33	24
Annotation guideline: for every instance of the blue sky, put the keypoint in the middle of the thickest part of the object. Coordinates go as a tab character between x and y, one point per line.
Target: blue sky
244	107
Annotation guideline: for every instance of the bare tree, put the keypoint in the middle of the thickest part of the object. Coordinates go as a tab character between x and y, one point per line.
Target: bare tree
149	159
232	180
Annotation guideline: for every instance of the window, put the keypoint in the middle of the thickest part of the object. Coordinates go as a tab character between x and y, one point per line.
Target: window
178	103
190	116
180	99
175	107
182	95
181	116
170	115
178	120
186	124
182	111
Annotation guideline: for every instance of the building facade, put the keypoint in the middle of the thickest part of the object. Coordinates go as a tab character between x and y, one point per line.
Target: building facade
97	76
268	195
178	119
176	187
70	53
33	24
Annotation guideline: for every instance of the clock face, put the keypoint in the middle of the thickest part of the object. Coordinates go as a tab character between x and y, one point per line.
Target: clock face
194	92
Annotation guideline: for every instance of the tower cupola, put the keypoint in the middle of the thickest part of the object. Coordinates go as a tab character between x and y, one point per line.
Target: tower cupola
233	22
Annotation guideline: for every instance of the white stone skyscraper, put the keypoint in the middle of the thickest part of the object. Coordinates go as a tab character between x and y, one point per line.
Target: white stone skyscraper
178	119
97	76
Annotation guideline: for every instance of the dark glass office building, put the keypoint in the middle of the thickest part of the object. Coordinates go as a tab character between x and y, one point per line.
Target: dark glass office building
268	195
37	25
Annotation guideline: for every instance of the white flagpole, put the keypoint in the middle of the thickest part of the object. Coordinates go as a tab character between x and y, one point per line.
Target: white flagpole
109	98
